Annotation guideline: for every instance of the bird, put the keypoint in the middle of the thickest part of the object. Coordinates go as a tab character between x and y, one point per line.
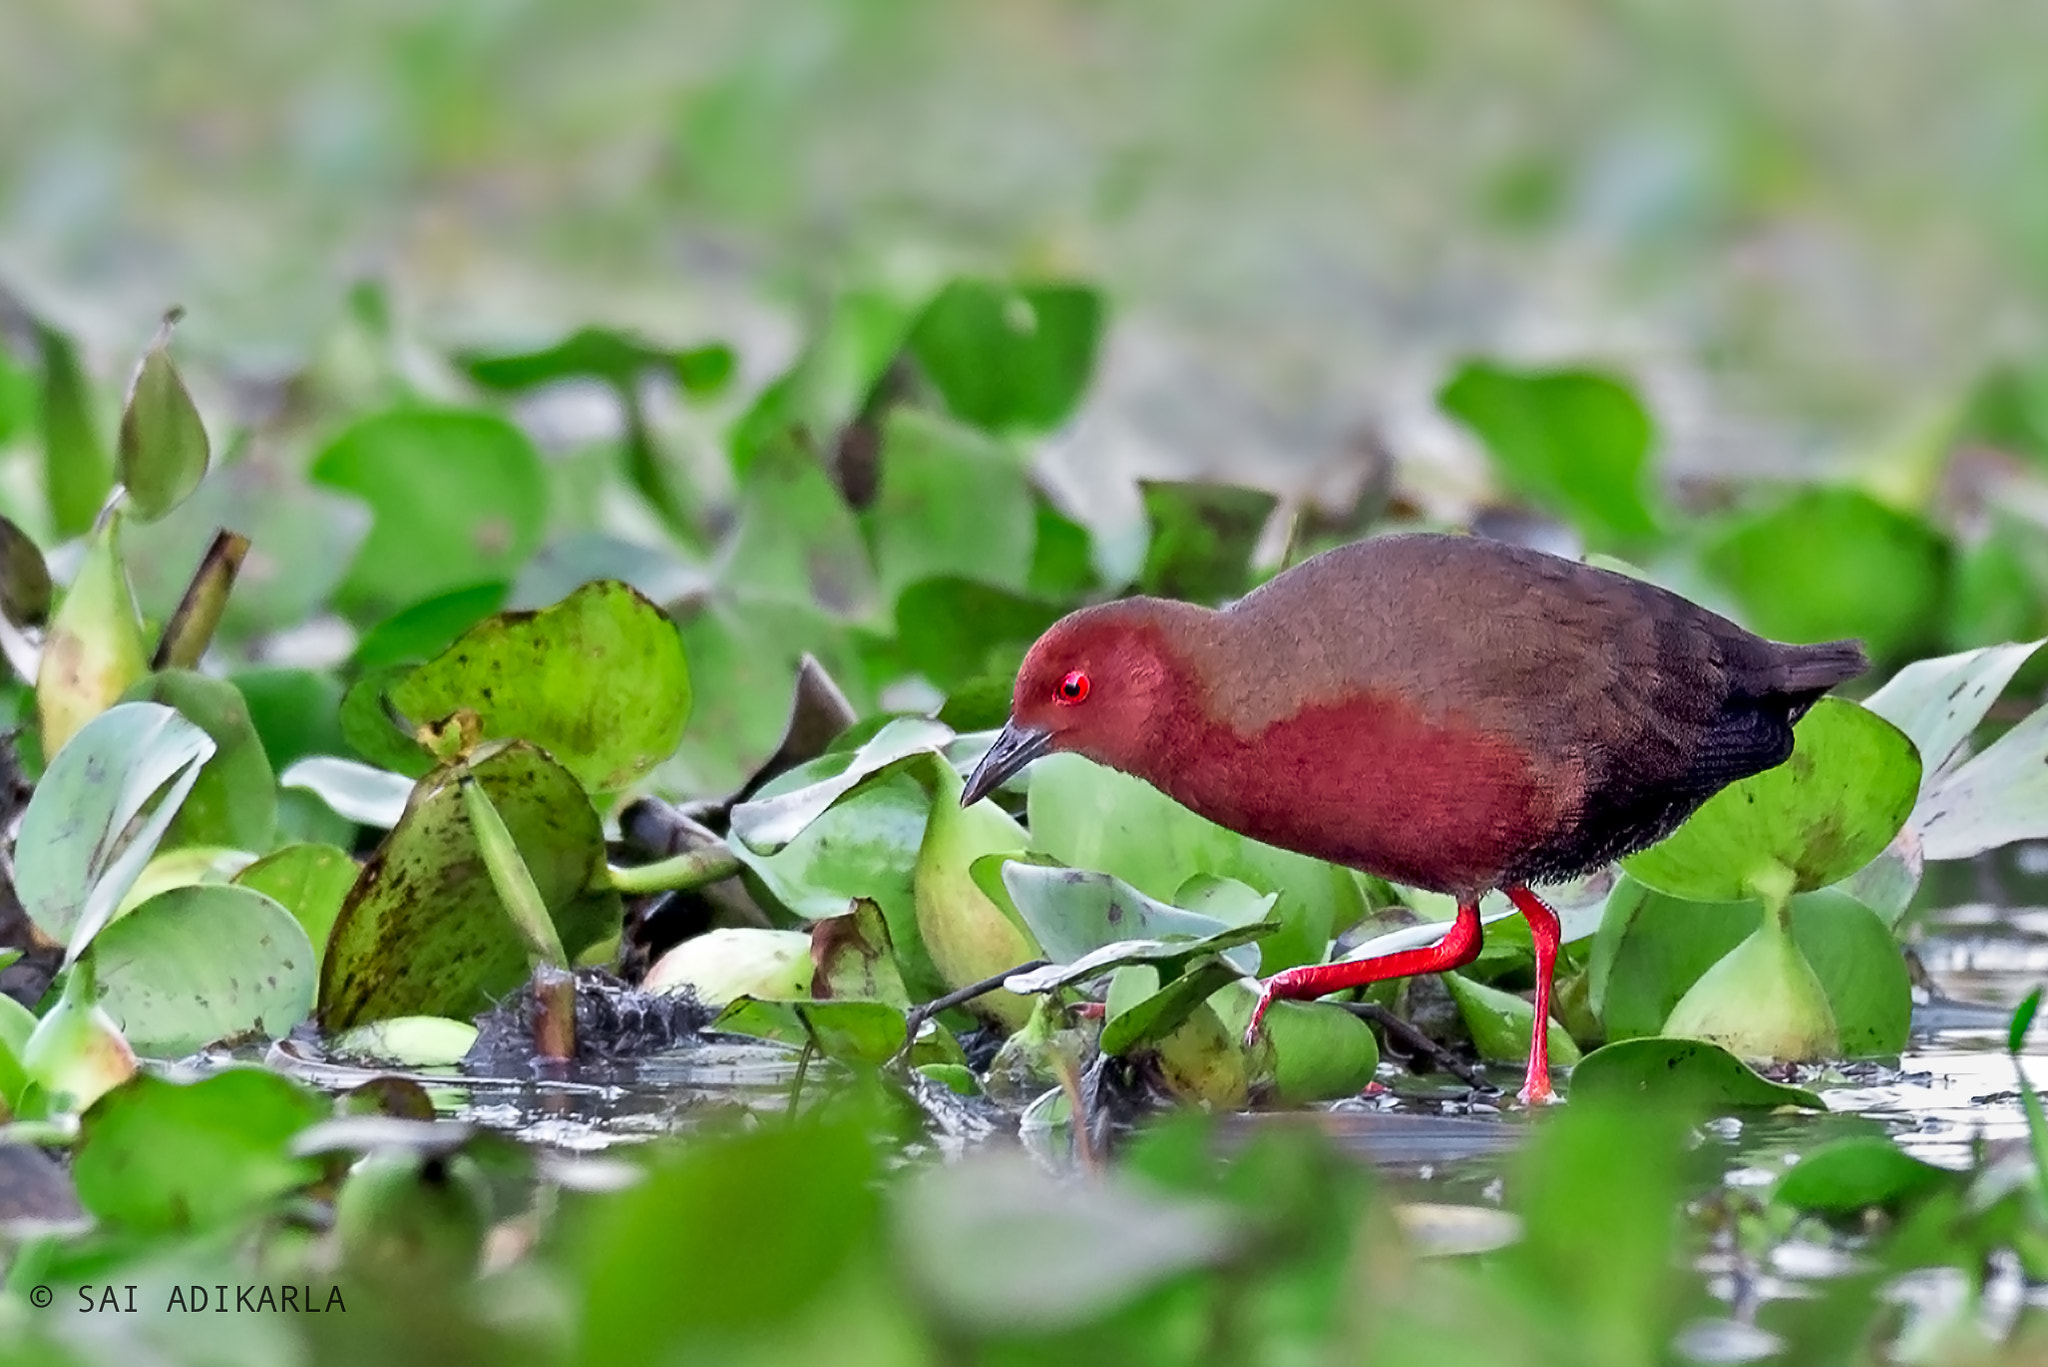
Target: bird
1443	711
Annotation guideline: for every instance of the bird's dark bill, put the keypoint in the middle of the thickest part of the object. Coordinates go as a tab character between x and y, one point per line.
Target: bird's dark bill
1015	747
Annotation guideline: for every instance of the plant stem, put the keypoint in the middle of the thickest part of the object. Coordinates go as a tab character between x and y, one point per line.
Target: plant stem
190	630
677	873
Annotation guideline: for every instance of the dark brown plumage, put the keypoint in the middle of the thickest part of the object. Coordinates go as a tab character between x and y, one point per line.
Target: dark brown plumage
1450	713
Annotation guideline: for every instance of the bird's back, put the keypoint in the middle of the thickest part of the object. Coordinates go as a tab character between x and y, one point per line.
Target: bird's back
1632	701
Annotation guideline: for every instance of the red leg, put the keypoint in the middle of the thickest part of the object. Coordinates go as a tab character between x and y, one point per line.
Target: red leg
1543	929
1459	946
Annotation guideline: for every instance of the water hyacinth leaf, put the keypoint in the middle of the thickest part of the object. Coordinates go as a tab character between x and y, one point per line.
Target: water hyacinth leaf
234	802
360	792
457	498
517	893
1996	797
204	963
1887	883
737	961
1501	1023
1575	441
831	382
795	540
71	864
572	560
1075	913
1834	563
1653	948
189	633
180	868
1009	357
1168	956
1310	1051
93	650
24	578
424	629
598	353
162	452
952	504
1761	1001
2022	1021
1939	703
852	958
17	1024
409	1041
78	471
310	881
955	631
423	932
1202	538
1090	817
969	935
864	846
1681	1073
1063	556
76	1054
157	1157
1823	814
598	681
373	732
293	711
1857	1174
1138	1012
781	812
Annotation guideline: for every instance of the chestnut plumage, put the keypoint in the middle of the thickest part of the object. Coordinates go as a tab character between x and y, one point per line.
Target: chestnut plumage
1451	713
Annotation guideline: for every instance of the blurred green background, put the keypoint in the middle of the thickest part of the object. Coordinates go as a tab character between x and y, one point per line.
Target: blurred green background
1802	228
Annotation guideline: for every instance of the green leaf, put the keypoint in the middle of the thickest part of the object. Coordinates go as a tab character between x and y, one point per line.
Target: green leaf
1090	817
863	846
831	383
234	803
409	1041
795	540
1823	814
1203	536
81	844
93	650
1168	956
1005	1249
458	498
1652	948
77	470
1062	558
1077	914
163	451
24	578
601	353
1311	1051
1830	563
598	681
954	631
969	935
1685	1073
204	963
426	628
1859	1173
373	732
781	812
1575	441
1158	1011
729	962
2022	1021
1502	1023
158	1157
422	932
17	1023
1010	358
952	504
309	881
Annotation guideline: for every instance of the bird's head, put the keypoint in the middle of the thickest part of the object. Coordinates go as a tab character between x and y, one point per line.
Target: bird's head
1100	682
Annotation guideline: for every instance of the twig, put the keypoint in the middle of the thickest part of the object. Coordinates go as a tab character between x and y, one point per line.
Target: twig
1418	1043
915	1018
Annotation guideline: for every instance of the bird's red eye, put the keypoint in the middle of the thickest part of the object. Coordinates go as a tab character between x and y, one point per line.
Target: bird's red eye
1074	687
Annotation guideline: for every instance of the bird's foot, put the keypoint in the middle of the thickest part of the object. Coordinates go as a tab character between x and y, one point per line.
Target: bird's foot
1536	1092
1251	1030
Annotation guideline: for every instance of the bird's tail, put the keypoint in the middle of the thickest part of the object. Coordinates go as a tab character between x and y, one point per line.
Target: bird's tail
1804	673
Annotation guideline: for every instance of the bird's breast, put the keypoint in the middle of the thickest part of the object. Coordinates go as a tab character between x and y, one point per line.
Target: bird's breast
1383	784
